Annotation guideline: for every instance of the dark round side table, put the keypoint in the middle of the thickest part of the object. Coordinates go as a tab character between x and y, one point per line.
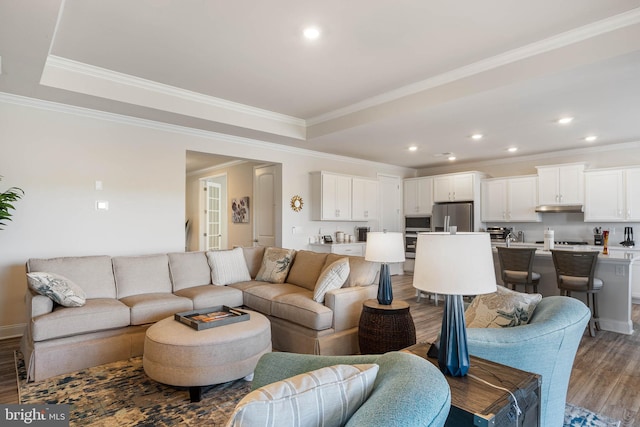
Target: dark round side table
385	328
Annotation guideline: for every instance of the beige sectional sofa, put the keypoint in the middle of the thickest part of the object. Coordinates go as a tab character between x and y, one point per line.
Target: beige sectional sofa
126	294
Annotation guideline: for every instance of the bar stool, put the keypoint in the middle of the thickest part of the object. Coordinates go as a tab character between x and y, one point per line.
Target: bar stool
575	273
516	267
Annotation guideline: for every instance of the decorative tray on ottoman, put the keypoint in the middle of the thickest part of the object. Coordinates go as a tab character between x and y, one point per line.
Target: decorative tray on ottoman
211	317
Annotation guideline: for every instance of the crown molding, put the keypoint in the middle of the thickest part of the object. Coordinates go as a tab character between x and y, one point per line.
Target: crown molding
24	101
218	167
566	38
76	67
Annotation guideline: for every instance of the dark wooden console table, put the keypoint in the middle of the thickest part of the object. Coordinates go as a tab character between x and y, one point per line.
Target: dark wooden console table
474	403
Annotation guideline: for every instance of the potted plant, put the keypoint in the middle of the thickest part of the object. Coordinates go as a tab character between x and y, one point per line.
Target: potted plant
6	200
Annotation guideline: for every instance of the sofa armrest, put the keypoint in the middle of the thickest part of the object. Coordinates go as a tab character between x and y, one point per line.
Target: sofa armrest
37	304
346	304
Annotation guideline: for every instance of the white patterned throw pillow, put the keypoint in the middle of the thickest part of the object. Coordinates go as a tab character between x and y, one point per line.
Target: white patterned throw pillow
332	277
500	309
60	289
324	397
228	266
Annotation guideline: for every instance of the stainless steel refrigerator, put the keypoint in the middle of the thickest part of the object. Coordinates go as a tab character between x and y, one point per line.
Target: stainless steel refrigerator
459	214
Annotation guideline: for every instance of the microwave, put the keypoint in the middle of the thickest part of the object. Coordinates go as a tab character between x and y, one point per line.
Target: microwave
417	223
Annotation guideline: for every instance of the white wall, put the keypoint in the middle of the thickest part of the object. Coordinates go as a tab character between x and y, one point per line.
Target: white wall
56	153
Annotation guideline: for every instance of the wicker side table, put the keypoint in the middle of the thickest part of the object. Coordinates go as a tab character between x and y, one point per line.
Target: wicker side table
385	328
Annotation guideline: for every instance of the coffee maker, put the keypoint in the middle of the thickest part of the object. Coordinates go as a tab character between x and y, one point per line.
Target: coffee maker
361	232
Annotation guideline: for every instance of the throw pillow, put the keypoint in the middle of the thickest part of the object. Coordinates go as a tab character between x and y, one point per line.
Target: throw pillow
501	309
324	397
228	266
275	265
60	289
332	277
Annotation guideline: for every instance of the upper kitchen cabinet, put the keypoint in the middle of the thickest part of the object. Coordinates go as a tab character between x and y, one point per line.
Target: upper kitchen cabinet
331	196
612	195
418	196
364	199
561	184
510	199
454	187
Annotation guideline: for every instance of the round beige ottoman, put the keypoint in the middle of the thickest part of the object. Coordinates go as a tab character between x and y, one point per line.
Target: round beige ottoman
178	355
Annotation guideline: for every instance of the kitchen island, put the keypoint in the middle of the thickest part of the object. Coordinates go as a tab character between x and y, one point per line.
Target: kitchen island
615	270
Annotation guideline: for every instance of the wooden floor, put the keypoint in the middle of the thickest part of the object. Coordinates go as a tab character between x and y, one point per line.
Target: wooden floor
605	376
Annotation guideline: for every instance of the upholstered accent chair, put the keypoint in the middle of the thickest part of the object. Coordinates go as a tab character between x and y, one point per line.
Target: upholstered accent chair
408	390
547	346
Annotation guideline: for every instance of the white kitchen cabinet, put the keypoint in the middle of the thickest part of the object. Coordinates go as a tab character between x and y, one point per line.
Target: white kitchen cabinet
418	196
331	195
561	184
612	195
510	199
453	188
364	199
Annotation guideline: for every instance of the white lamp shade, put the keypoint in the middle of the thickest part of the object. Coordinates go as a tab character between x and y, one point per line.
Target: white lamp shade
454	264
384	247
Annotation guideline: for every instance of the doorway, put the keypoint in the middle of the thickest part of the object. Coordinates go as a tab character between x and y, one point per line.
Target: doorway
266	207
213	218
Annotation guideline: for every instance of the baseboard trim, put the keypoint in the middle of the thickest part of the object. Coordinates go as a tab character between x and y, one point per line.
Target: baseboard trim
618	326
12	331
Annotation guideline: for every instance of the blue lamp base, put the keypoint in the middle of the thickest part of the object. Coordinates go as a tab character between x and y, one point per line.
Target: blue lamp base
453	356
385	293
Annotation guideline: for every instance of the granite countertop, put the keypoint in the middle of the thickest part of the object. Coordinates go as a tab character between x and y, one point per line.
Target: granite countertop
615	252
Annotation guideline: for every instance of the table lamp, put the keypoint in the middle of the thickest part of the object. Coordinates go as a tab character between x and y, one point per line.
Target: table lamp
384	247
454	265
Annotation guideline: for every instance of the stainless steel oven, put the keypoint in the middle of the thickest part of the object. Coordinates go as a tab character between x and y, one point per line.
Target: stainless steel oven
413	225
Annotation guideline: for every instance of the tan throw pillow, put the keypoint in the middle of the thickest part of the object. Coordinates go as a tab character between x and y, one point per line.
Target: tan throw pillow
275	265
228	266
324	397
60	289
332	277
501	309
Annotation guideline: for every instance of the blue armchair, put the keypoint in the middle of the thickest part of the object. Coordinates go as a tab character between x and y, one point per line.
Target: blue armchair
546	346
408	390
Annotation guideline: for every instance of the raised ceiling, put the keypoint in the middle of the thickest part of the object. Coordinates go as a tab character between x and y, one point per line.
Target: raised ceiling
383	76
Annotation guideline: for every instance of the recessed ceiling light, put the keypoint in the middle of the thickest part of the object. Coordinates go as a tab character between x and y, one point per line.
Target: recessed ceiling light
512	149
591	138
311	33
477	136
413	148
452	158
565	120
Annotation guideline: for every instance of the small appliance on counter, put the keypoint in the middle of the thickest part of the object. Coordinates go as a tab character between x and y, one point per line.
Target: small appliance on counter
499	234
628	238
598	239
361	233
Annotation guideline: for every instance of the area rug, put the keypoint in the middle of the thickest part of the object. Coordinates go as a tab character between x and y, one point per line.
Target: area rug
121	394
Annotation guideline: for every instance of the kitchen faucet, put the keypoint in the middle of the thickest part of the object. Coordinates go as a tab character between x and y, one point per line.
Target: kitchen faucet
510	238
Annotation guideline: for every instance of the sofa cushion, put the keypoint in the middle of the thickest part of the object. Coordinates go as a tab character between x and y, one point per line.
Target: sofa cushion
58	288
362	272
275	265
500	309
306	268
332	277
326	396
253	256
228	267
300	308
189	269
94	274
259	298
151	307
97	314
206	296
137	275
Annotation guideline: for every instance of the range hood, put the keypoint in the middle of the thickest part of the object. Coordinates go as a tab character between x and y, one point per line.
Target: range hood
560	208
